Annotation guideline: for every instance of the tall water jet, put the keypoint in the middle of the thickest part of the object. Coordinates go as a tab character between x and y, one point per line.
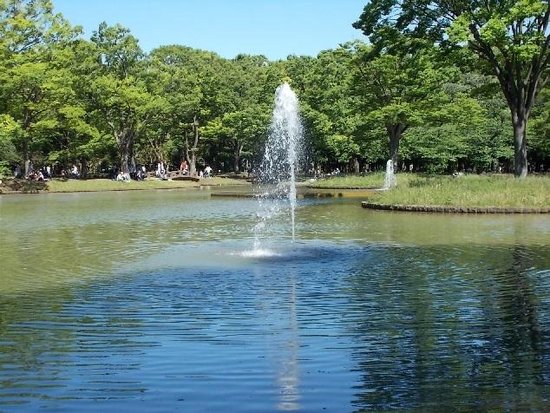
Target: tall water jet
277	172
389	179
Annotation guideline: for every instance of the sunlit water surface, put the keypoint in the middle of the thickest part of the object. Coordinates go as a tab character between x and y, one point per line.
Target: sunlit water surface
157	302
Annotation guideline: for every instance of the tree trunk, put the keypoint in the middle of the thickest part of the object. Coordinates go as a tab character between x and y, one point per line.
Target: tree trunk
191	152
520	99
84	168
520	103
237	150
125	141
519	122
193	164
395	133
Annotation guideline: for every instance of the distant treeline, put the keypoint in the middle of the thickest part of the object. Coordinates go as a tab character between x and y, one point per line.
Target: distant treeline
103	104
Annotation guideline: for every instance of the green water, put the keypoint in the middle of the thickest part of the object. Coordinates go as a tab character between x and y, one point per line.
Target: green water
154	301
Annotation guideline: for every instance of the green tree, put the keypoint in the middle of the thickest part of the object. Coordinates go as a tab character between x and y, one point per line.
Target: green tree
511	37
242	132
491	147
398	89
333	80
117	91
192	82
539	137
249	107
329	110
32	84
9	130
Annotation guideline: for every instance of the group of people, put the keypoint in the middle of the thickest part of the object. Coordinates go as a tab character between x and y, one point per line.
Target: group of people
45	173
123	177
139	173
37	175
163	173
42	174
184	168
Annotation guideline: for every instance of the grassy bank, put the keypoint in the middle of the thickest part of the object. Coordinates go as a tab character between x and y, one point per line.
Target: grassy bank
465	191
373	180
99	185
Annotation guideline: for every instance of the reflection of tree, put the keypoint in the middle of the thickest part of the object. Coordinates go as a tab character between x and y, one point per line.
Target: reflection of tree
510	357
50	340
25	347
386	356
521	330
447	328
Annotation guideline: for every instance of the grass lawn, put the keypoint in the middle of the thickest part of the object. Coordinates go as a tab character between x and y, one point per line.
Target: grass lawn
372	180
465	191
98	185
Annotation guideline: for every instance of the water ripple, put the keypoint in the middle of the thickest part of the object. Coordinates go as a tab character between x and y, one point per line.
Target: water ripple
157	317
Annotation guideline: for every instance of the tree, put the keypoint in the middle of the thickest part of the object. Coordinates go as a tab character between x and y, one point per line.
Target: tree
250	95
117	91
9	129
398	88
539	137
332	80
510	36
32	72
77	138
192	83
490	148
242	132
344	148
328	108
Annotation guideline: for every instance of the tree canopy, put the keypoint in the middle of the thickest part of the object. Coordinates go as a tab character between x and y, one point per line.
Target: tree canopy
510	37
433	90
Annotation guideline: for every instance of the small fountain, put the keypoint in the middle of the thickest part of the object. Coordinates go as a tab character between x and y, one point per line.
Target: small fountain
277	172
389	179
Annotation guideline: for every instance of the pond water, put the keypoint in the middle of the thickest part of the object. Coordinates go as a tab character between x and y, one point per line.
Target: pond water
153	302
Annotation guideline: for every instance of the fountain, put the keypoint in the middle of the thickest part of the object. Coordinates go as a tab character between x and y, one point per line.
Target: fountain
389	178
277	173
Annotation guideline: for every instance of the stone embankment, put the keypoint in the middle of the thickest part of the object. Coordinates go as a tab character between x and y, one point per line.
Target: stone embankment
16	186
454	209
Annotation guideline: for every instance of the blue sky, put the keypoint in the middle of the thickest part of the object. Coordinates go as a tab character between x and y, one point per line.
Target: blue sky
274	28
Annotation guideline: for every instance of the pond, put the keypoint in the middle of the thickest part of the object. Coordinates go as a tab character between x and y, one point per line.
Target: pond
153	302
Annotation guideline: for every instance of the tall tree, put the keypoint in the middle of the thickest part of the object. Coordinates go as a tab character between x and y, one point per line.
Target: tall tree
331	95
241	132
539	138
192	81
511	36
398	87
32	84
117	91
328	109
249	106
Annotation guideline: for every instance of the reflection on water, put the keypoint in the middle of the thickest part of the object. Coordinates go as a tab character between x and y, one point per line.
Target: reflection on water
152	302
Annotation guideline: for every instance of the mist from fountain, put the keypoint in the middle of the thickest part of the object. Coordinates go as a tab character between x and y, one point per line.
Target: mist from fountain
389	179
277	173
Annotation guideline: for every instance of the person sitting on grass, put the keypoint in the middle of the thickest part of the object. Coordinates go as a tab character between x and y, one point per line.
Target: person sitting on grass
123	177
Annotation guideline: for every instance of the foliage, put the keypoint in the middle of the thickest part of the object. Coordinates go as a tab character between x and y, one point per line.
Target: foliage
539	134
510	37
102	103
9	130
